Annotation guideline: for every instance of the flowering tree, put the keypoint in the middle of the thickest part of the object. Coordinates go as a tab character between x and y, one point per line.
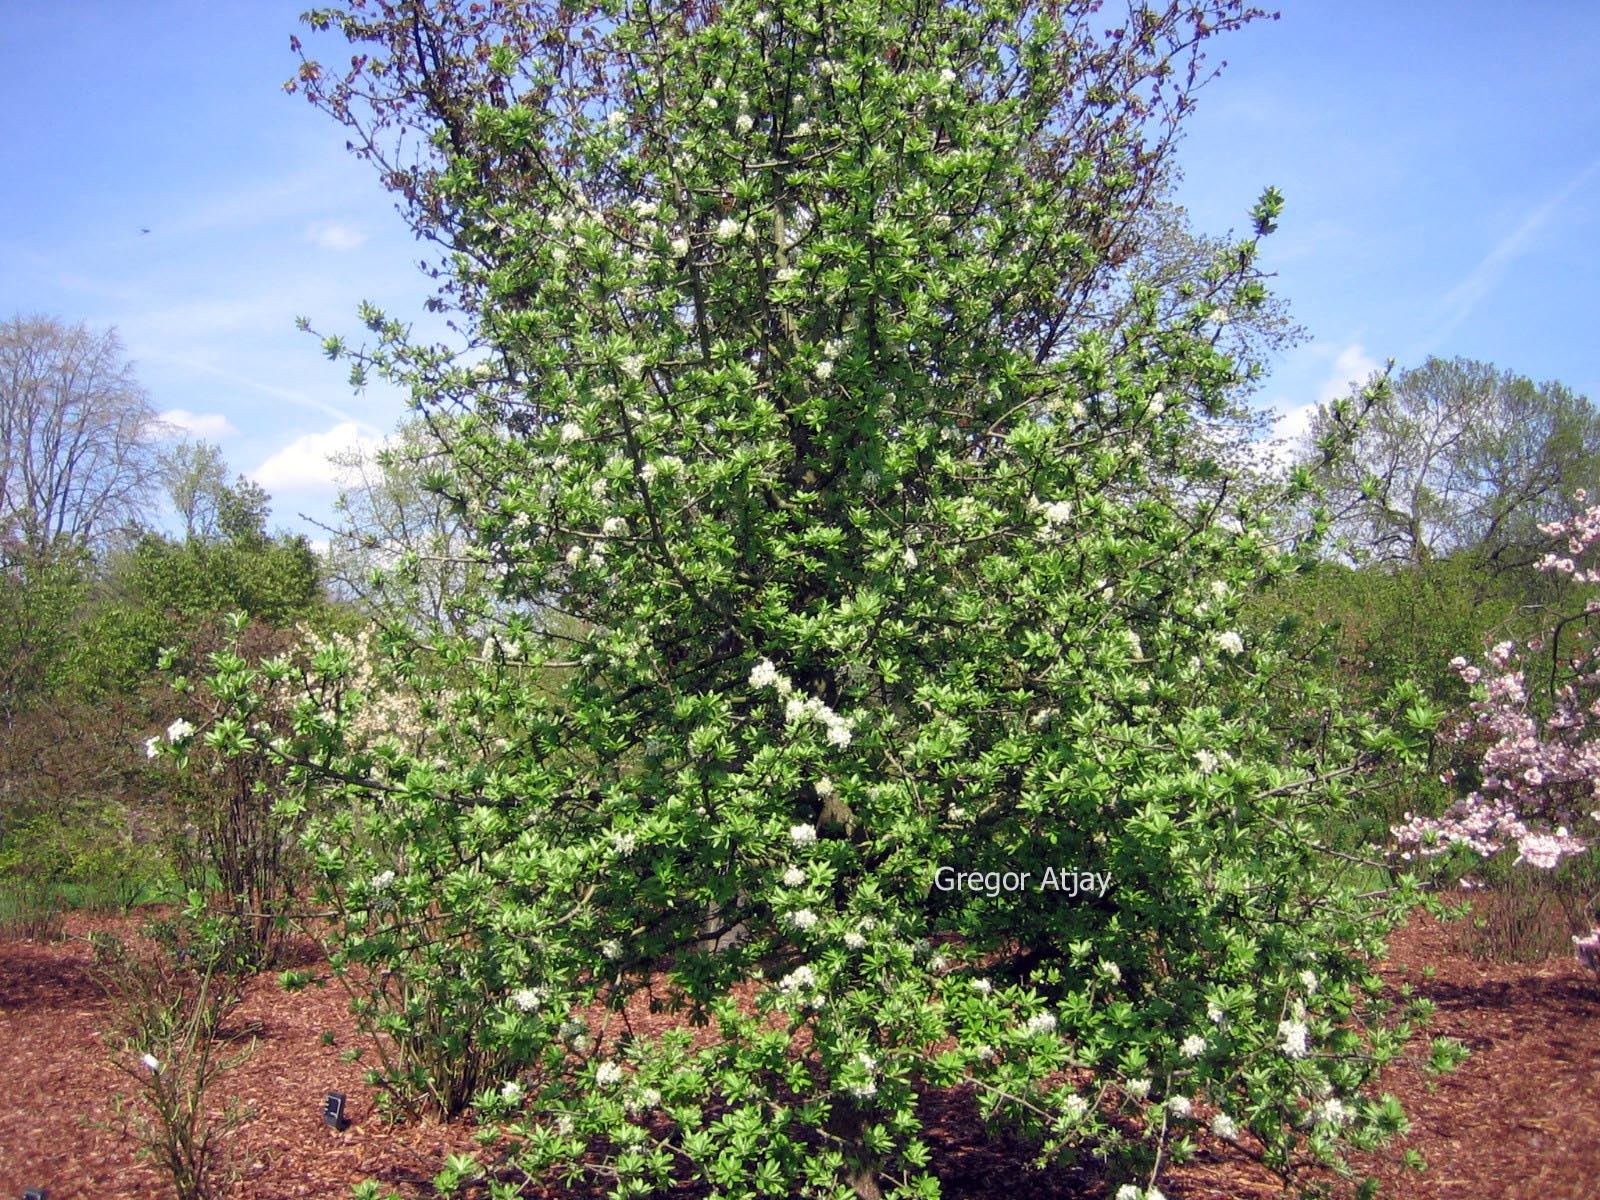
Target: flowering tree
1537	779
840	562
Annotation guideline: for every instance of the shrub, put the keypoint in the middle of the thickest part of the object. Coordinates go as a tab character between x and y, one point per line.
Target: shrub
1531	782
170	1010
232	839
879	558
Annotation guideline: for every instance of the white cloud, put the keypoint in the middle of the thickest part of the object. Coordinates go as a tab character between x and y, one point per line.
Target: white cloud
202	425
1352	367
303	466
335	235
1291	426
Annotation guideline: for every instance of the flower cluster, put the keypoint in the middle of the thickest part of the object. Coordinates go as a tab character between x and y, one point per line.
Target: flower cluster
840	730
1293	1035
1539	774
528	999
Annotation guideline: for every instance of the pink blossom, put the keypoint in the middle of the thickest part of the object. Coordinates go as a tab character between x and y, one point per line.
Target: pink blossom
1539	773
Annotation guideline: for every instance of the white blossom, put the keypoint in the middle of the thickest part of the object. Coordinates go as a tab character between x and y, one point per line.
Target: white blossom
511	1092
1206	761
179	730
803	919
854	940
1216	1013
1180	1106
1110	970
727	229
633	366
1333	1111
946	75
824	787
1308	980
982	986
1193	1046
764	674
1230	642
745	123
1074	1107
645	208
803	835
611	950
1040	1024
150	1061
824	369
1137	1088
527	999
624	844
794	877
383	881
802	978
613	526
1225	1127
1056	511
1293	1034
571	431
679	247
608	1074
152	746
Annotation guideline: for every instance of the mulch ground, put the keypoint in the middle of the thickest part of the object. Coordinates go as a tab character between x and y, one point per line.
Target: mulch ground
1519	1121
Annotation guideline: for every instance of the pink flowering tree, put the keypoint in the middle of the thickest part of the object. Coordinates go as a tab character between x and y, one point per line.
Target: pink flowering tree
1536	714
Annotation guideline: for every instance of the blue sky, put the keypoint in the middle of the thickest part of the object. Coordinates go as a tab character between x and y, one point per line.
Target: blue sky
1441	162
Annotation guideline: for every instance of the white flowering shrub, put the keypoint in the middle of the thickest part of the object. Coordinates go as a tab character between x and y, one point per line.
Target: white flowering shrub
877	553
233	834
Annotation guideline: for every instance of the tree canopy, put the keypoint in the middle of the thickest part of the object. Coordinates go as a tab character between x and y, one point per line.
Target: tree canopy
1463	456
77	452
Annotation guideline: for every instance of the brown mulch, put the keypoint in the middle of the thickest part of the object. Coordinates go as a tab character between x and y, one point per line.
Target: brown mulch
1520	1120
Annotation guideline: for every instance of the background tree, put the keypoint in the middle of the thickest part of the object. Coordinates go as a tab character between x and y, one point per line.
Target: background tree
77	454
195	478
80	640
1463	457
401	551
